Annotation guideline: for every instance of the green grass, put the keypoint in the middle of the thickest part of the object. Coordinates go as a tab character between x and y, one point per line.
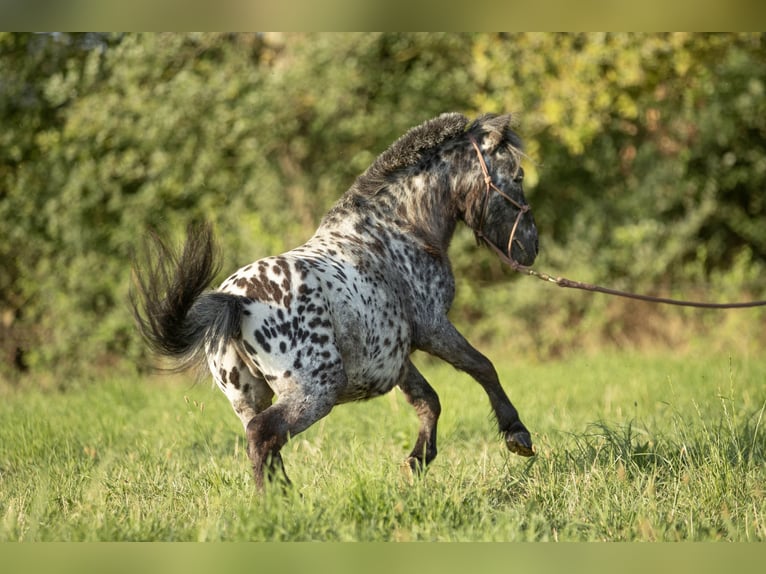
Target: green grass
630	447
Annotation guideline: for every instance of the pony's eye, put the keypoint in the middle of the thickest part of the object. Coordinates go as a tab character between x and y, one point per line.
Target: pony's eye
519	177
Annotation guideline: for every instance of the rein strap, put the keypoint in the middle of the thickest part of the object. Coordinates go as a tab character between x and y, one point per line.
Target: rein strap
507	258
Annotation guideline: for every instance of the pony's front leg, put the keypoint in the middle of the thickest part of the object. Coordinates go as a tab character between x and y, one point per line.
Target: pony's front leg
452	347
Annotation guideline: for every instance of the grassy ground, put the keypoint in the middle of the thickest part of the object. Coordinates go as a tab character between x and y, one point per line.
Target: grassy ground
629	448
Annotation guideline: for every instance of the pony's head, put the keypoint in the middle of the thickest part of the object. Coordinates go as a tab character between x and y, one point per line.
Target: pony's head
496	209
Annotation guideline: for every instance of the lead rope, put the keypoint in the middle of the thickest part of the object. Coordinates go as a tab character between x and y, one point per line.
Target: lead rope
563	281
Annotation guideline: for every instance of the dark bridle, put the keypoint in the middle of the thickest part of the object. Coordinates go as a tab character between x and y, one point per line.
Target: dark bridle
490	185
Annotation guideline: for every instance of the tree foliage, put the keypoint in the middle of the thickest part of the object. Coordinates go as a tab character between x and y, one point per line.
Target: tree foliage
646	164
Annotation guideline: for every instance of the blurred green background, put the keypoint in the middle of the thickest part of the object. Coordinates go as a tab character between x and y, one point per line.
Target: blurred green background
646	169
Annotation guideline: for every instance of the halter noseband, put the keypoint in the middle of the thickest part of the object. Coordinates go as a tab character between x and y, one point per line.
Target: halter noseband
490	185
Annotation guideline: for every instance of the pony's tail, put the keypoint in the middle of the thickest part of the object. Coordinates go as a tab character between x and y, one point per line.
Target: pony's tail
175	316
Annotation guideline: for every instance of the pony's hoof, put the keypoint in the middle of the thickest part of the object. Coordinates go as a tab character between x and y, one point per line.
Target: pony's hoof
415	464
520	443
409	471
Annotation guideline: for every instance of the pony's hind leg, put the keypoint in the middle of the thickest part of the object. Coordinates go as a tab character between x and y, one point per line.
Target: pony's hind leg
425	401
251	398
247	390
300	404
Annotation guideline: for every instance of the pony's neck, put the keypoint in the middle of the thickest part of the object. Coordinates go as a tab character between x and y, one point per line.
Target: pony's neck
421	203
427	202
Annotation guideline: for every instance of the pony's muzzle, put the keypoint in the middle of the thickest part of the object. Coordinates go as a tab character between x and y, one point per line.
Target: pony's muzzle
524	245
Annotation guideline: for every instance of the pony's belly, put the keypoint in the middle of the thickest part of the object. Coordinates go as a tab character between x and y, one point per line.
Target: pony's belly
373	379
375	352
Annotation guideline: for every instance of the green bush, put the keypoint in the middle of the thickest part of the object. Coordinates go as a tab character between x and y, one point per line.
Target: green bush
646	168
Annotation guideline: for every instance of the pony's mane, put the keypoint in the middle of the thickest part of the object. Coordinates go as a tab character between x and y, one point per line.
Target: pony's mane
410	148
413	145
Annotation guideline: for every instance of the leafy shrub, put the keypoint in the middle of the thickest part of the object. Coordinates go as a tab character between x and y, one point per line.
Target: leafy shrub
646	168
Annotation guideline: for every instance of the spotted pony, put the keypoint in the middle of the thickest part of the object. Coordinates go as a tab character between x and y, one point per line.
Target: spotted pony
335	320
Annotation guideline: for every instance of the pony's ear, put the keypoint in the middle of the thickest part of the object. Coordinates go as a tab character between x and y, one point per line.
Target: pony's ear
496	127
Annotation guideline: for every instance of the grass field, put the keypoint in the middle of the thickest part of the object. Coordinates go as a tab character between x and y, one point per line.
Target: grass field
630	447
